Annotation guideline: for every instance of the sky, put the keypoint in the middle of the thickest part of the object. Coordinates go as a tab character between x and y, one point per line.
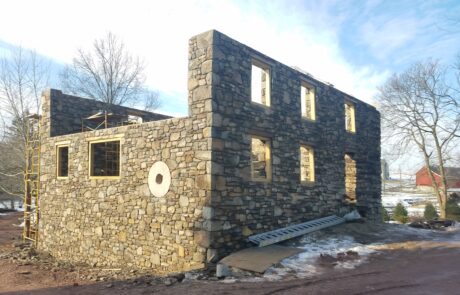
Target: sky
355	45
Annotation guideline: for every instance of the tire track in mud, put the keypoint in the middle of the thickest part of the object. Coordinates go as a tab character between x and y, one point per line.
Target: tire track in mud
315	282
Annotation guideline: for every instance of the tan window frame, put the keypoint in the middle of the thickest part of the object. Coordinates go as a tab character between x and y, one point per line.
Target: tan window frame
350	117
267	155
350	178
308	101
60	173
91	160
311	167
265	85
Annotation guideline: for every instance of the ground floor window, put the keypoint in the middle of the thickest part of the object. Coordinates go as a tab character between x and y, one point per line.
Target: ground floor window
62	161
307	164
350	178
105	159
260	158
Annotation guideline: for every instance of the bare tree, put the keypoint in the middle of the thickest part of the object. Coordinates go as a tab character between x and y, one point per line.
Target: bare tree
421	108
152	101
108	73
23	75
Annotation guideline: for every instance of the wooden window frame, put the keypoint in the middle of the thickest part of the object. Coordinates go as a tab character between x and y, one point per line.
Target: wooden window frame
352	158
312	167
90	158
58	161
312	89
268	160
265	67
352	129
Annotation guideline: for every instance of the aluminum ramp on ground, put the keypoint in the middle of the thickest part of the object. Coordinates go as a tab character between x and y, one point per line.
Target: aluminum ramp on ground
278	235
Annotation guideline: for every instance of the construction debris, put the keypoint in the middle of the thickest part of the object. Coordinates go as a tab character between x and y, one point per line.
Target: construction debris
432	224
352	216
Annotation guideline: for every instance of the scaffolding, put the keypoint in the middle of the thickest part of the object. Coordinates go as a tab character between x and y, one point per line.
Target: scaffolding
105	119
32	180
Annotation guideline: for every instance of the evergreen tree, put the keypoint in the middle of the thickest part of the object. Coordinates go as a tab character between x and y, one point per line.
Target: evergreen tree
385	215
430	212
452	209
400	213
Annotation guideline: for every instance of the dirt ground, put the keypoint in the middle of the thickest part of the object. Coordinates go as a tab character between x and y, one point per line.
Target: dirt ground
409	265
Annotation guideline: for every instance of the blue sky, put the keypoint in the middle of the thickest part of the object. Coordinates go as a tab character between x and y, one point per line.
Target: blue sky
393	34
354	45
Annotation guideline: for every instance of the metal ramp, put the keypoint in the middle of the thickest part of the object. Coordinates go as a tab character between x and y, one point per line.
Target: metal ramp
278	235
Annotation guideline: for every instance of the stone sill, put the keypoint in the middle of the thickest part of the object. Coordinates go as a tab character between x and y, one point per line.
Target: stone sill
308	183
264	106
305	119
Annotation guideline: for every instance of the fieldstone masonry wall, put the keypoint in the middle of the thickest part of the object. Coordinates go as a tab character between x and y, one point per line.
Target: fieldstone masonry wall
243	207
212	205
118	222
67	112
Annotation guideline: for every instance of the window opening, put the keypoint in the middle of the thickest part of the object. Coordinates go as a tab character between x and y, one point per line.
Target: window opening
350	178
260	158
62	161
307	164
307	96
350	117
105	159
260	83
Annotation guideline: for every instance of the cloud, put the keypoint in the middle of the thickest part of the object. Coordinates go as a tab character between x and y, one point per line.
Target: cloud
404	33
354	45
308	35
385	36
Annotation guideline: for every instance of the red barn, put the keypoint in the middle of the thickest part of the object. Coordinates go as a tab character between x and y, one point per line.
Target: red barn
422	179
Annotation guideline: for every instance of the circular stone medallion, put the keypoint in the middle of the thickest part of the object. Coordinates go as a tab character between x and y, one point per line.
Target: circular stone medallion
159	179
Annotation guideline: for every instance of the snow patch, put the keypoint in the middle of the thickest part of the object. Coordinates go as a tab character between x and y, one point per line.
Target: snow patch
307	264
19	225
303	265
391	199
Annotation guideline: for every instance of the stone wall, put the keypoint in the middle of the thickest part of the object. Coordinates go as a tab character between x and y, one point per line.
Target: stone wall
212	205
118	222
240	206
67	112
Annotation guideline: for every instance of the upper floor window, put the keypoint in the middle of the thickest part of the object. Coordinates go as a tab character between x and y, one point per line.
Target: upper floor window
350	124
260	83
260	158
307	164
62	161
307	99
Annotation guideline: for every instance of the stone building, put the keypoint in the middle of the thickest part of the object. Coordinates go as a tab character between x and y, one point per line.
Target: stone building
264	146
